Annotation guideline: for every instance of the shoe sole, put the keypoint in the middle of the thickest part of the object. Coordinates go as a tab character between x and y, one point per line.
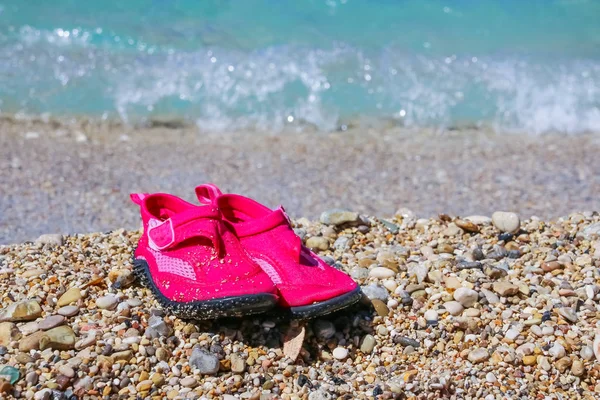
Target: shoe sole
326	307
233	306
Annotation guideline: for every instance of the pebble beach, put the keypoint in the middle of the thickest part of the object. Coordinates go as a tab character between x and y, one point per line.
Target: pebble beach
476	307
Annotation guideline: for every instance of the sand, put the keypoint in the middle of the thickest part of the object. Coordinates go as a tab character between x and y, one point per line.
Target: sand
73	177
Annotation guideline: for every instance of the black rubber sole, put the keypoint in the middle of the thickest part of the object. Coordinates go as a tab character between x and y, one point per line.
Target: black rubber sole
236	306
326	307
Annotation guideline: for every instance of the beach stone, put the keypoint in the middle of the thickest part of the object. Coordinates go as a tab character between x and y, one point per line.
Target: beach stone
543	363
338	217
189	382
568	313
342	243
68	311
121	278
467	225
44	394
70	296
108	302
32	378
31	342
506	221
66	371
323	329
478	355
238	364
368	344
60	338
157	327
374	291
320	395
406	341
8	333
144	386
577	368
505	289
340	353
465	296
557	351
479	219
53	239
204	361
381	273
359	273
591	231
380	307
431	316
586	353
317	243
453	307
26	310
529	360
51	322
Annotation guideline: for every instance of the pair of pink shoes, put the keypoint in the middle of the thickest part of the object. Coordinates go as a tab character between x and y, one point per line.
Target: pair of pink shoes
232	256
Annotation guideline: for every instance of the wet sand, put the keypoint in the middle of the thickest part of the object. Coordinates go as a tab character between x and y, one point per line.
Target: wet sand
61	177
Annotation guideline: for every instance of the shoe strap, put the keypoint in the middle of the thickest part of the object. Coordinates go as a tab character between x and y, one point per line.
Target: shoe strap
207	193
195	222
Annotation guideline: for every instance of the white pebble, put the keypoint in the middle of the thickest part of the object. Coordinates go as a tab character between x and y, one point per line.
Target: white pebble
340	353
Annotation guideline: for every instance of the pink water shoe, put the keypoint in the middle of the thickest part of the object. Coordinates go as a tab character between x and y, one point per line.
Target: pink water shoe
307	285
194	264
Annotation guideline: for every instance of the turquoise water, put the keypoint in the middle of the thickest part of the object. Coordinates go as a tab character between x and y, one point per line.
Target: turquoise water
514	65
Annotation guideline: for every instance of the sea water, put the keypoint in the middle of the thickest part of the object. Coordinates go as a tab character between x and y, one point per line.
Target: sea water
513	65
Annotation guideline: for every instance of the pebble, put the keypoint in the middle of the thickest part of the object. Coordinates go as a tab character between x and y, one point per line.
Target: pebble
374	291
68	311
380	308
317	243
568	313
431	316
238	364
70	296
51	322
381	273
189	382
26	310
506	221
478	355
338	217
52	239
505	289
453	307
204	361
8	333
467	225
340	353
557	351
323	329
157	327
59	338
108	302
368	344
465	296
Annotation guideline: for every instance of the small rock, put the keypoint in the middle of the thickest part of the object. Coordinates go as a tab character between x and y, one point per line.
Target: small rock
380	307
367	345
551	266
189	382
323	329
157	327
530	360
381	273
238	364
591	231
32	378
60	338
506	221
70	296
340	353
68	311
121	278
317	243
557	351
26	310
478	355
338	217
568	313
66	371
431	316
108	302
577	368
586	353
359	273
31	342
505	289
465	296
406	341
53	239
374	291
144	386
51	322
207	363
8	333
466	225
453	307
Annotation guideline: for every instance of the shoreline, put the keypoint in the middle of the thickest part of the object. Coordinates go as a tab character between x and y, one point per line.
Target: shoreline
69	178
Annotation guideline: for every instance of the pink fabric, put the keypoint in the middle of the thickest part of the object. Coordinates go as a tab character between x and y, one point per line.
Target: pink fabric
301	277
192	255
